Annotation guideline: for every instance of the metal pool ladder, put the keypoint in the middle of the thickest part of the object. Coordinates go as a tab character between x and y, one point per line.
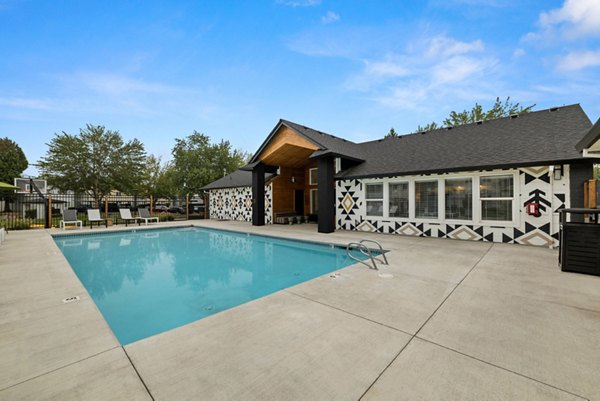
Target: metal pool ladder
366	251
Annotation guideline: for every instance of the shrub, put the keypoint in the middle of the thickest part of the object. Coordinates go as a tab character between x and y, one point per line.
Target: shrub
31	214
166	217
17	224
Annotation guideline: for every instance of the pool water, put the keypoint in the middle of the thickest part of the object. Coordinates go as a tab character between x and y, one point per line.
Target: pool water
149	281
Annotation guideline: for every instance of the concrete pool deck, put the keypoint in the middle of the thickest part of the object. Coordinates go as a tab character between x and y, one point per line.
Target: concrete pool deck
446	320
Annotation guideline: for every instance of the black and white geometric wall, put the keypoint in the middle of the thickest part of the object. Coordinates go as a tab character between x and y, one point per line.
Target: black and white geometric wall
236	204
535	185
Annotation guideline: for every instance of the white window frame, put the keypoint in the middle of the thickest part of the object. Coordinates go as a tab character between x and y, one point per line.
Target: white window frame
476	212
473	189
338	164
414	199
310	176
384	195
515	200
312	205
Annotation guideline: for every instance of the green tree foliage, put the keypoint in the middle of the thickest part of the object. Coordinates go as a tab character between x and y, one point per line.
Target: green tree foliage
12	160
597	171
12	164
167	185
391	134
499	109
159	179
429	127
96	162
197	162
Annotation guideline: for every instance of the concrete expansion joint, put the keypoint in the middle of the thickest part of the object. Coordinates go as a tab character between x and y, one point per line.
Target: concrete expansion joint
500	367
426	321
138	374
348	313
59	368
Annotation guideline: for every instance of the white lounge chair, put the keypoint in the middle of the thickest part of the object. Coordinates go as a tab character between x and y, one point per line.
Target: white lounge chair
70	217
127	217
145	215
94	217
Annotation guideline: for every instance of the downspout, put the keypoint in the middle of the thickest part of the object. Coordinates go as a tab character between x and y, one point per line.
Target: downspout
551	176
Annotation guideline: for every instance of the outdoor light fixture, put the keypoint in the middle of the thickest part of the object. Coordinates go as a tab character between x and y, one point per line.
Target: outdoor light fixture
558	171
293	179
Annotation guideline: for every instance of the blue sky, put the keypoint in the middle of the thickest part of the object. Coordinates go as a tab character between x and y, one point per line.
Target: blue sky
230	69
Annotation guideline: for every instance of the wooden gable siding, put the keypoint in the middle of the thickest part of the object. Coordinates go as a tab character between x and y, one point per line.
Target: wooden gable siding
287	148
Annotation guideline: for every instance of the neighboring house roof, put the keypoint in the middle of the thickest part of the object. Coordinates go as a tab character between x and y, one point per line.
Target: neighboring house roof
540	137
327	144
591	138
239	178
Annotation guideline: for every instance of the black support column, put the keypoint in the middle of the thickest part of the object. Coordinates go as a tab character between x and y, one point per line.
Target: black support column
326	194
258	195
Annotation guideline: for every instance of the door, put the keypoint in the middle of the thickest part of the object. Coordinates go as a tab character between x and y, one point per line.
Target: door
299	201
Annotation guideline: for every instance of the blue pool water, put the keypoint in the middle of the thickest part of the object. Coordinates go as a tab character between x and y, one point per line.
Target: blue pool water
148	281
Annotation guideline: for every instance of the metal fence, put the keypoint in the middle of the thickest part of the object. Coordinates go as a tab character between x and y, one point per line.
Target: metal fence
21	211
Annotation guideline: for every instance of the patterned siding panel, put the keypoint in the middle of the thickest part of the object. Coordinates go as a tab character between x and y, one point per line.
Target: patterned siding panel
535	185
236	204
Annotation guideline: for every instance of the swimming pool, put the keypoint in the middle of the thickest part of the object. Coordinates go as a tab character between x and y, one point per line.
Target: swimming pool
145	282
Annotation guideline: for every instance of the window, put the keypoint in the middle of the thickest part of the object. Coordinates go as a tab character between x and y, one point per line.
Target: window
496	194
312	176
374	199
314	202
398	199
459	199
426	199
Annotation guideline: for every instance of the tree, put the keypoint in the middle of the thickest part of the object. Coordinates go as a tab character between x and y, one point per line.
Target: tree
96	162
167	185
158	179
197	162
12	160
391	134
12	164
429	127
498	110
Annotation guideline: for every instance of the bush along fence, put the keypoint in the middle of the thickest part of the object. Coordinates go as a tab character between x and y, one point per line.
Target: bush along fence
21	211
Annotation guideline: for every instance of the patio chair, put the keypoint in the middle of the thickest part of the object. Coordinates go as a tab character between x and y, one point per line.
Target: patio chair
127	217
94	217
145	215
70	217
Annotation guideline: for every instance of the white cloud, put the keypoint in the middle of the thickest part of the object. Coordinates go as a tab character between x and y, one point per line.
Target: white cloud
579	60
518	53
330	17
575	18
116	84
17	102
445	47
405	97
389	67
299	3
458	69
439	65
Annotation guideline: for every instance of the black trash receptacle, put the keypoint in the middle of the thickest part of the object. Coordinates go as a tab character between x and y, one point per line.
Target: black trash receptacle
580	242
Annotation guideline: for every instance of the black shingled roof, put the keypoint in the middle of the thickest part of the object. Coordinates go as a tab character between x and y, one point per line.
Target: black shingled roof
327	143
540	137
592	137
239	178
537	138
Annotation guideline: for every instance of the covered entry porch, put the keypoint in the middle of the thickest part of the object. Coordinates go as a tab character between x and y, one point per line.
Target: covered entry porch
304	181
